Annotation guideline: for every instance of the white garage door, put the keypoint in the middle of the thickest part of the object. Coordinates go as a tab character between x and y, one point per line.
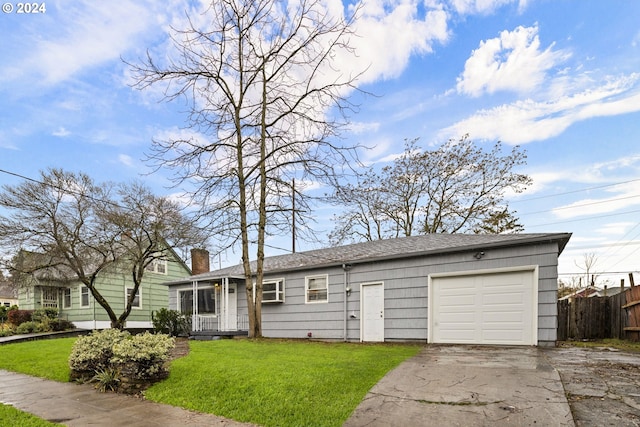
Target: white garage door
498	308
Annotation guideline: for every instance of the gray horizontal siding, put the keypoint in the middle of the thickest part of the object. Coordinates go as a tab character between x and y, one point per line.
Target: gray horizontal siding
405	292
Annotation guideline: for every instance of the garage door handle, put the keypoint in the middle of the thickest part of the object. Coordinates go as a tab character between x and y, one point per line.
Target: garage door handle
381	314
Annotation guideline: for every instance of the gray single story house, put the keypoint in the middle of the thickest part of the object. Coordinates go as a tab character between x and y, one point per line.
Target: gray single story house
438	288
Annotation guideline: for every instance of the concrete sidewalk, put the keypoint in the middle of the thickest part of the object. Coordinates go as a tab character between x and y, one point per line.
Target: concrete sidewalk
441	386
81	405
468	386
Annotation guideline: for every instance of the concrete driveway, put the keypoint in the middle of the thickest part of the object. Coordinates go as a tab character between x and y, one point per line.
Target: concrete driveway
468	386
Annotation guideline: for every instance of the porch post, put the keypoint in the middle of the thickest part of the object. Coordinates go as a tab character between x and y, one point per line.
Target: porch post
226	303
194	316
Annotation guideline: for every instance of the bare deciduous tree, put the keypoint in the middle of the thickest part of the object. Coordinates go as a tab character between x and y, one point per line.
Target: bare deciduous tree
261	79
66	227
456	187
589	261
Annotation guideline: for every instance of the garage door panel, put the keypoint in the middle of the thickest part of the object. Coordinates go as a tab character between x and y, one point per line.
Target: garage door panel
503	317
454	300
484	309
509	336
461	317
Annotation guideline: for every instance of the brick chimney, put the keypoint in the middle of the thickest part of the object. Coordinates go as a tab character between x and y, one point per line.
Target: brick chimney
199	261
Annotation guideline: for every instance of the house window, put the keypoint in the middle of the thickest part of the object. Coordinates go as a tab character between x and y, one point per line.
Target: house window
49	297
158	266
66	298
84	296
206	301
316	289
137	301
273	291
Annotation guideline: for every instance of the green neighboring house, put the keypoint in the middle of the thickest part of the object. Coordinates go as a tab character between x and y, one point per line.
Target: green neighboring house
75	303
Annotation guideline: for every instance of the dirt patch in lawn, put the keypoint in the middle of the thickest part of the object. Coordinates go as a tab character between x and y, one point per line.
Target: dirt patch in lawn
602	384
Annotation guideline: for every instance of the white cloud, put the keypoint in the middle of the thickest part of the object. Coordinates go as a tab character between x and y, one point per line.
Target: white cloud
615	228
61	132
389	34
511	62
125	160
528	120
623	196
81	35
363	127
483	7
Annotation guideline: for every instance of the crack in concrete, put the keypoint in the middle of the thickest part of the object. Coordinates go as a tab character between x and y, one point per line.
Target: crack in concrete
475	402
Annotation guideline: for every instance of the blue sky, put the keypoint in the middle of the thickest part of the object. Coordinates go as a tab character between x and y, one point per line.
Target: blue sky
560	78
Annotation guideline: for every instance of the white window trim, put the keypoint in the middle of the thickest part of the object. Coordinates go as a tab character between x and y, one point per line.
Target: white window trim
88	297
190	290
153	267
306	288
126	296
279	290
64	299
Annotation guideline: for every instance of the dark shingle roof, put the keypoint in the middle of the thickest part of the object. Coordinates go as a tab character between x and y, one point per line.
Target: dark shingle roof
8	291
406	247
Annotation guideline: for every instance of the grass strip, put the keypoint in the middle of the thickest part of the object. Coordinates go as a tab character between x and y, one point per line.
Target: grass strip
44	358
278	382
10	416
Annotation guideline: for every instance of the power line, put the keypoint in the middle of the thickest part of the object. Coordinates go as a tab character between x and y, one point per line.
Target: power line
581	205
66	190
598	273
574	191
583	219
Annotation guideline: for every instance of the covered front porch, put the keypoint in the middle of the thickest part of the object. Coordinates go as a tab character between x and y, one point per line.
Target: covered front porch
213	304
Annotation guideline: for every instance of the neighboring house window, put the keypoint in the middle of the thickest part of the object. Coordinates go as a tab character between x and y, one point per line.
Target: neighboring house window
206	301
317	289
137	301
273	291
84	296
66	298
157	266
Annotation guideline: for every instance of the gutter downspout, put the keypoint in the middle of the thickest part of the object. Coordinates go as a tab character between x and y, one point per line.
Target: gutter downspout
347	291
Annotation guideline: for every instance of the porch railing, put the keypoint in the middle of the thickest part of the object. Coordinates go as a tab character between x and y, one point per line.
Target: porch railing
213	323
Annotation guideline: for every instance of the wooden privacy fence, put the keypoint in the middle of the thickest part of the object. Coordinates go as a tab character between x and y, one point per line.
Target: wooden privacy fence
617	316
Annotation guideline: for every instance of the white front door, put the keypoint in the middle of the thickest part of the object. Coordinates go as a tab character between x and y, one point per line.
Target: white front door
232	308
372	312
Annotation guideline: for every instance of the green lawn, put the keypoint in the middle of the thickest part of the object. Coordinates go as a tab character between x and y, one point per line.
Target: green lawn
267	382
10	416
278	383
44	358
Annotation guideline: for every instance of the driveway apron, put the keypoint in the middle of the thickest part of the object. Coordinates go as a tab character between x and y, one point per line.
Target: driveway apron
468	386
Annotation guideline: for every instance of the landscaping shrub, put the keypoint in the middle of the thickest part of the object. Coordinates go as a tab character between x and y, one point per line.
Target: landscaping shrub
29	327
6	331
33	321
3	314
17	317
60	325
114	358
43	314
170	322
142	356
93	352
